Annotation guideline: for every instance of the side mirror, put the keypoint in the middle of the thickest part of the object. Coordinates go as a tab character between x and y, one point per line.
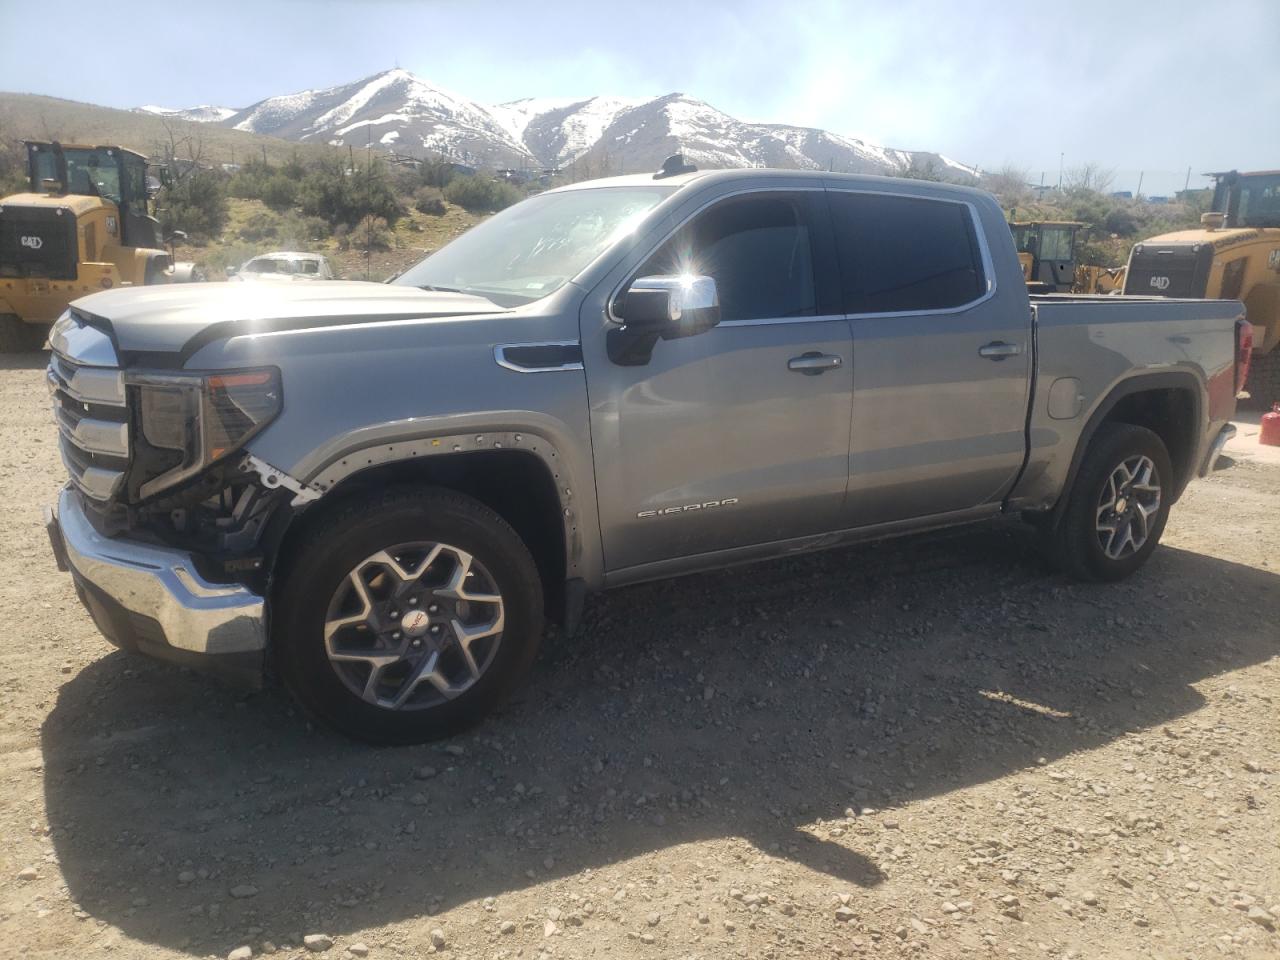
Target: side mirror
664	307
232	271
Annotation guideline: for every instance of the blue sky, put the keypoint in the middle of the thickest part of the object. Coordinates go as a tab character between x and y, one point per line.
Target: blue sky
1154	86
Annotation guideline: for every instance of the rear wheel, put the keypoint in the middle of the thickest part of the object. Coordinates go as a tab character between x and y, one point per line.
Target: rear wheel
1263	384
408	617
17	336
1118	505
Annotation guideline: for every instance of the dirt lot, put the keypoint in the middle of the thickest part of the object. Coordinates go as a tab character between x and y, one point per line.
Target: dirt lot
931	748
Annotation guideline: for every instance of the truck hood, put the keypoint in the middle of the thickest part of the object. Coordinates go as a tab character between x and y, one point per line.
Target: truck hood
179	318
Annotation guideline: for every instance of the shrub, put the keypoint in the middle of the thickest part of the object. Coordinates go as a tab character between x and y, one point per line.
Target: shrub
371	233
279	192
341	194
1121	222
197	204
263	225
480	194
429	200
247	183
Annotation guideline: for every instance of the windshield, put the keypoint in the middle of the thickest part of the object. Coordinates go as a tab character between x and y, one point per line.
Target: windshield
532	249
92	173
1259	203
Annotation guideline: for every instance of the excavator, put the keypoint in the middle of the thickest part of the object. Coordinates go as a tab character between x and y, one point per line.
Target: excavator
1234	255
87	223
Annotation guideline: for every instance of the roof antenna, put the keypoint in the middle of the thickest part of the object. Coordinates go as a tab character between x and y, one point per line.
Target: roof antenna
673	166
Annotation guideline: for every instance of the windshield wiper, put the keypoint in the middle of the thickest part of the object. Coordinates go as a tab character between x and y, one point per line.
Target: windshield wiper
434	289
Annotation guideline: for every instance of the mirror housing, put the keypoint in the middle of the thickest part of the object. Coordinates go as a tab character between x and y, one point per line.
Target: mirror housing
661	307
231	271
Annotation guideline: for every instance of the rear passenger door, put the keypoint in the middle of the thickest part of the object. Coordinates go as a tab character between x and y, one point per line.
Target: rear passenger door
941	366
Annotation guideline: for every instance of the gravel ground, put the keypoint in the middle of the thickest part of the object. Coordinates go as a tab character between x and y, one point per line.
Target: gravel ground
929	748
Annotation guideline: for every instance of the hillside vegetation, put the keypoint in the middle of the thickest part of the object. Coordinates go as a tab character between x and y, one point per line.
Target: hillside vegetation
1112	225
373	219
370	217
253	228
36	117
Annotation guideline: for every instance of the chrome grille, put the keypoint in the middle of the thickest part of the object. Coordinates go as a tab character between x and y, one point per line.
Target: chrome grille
90	407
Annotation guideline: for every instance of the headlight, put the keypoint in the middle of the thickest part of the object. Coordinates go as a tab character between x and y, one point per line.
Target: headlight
190	421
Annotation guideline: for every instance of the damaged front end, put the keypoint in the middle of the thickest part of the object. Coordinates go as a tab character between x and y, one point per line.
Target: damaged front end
167	521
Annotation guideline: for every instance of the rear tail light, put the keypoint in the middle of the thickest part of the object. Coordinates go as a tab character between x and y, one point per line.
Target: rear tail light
1244	351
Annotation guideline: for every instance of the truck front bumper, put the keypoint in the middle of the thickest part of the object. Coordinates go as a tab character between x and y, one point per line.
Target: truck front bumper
152	600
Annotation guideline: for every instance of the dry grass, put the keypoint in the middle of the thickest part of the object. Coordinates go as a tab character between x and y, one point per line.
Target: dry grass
30	116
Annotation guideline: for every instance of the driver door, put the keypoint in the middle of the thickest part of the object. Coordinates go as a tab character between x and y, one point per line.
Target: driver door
738	436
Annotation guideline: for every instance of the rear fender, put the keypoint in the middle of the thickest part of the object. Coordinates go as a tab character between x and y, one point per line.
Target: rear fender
1139	383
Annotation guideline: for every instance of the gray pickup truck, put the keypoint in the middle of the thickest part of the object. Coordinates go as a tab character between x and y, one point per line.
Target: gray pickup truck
377	492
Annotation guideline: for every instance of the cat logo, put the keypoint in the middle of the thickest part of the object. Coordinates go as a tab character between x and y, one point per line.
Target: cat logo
1273	261
1160	283
111	225
34	243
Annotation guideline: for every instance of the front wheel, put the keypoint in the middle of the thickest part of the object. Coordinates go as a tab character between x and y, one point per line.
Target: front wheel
1117	507
407	617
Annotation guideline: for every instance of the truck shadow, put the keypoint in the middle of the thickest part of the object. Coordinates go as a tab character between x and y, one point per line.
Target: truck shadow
36	360
750	703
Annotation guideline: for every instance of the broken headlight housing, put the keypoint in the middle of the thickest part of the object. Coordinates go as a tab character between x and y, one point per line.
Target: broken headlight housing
187	422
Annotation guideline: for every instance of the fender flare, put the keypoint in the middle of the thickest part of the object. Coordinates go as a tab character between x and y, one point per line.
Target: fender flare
1139	382
360	456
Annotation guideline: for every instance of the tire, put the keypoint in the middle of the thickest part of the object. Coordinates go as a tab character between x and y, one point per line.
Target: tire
322	647
1076	543
19	337
1263	384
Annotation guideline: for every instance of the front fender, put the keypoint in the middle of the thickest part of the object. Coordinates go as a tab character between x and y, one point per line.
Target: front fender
415	439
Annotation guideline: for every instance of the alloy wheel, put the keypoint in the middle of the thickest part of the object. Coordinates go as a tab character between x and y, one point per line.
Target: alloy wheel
414	625
1128	506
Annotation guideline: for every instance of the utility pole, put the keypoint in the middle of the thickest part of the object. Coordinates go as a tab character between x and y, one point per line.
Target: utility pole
1187	186
368	185
1141	174
1061	157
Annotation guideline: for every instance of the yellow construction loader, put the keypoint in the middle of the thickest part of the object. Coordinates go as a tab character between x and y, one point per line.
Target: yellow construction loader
1234	255
86	224
1047	252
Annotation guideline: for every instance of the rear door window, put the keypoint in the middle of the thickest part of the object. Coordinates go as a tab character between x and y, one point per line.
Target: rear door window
901	254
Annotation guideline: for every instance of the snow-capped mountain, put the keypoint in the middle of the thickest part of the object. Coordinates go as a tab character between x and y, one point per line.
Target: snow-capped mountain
201	114
398	111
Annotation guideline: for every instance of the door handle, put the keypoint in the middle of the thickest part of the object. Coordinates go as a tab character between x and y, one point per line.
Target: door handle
998	350
813	363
